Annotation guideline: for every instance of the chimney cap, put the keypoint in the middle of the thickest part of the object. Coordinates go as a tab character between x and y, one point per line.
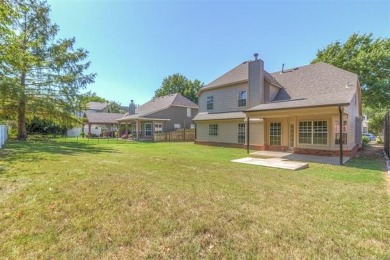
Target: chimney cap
256	56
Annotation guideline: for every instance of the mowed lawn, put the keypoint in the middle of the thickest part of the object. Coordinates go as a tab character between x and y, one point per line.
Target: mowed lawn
179	200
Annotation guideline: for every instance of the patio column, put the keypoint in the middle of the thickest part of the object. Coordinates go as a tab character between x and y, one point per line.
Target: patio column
341	134
89	129
136	130
247	135
126	130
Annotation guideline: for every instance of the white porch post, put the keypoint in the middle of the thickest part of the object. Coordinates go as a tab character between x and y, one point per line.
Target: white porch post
136	130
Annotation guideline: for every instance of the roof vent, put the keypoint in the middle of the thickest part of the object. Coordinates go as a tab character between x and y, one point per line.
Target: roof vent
256	56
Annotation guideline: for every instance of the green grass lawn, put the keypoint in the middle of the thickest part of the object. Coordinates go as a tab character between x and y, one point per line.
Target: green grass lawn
180	200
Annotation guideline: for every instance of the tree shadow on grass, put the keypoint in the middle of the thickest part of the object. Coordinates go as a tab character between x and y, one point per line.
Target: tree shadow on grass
36	151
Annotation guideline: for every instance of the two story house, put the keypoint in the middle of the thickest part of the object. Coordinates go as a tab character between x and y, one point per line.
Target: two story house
159	115
297	109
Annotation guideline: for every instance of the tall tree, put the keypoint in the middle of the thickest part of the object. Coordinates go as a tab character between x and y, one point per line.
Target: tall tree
178	83
376	118
114	107
93	97
40	75
369	58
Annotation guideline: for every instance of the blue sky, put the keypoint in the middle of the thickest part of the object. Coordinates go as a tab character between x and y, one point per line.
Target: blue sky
133	45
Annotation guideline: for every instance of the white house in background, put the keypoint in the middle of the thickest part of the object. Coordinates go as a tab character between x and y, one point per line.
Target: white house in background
96	129
297	109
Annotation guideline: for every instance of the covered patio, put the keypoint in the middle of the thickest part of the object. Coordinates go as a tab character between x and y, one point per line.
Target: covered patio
141	128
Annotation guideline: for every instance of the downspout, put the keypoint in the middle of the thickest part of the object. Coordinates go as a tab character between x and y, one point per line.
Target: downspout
341	134
247	135
196	126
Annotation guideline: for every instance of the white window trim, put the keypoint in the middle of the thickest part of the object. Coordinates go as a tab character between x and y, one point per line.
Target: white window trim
281	133
207	108
312	136
238	98
217	128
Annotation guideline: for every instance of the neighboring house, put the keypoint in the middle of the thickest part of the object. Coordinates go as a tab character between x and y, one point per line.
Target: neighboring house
296	110
365	125
96	106
94	125
101	123
162	114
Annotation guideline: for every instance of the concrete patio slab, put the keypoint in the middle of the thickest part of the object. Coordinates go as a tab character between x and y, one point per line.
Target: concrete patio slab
274	163
335	160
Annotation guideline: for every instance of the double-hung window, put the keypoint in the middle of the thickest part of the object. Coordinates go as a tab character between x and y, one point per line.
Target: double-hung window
241	133
210	102
157	127
275	133
213	129
242	98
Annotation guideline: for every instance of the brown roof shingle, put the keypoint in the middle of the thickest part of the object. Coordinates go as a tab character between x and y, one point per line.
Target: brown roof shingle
102	118
161	103
96	105
318	84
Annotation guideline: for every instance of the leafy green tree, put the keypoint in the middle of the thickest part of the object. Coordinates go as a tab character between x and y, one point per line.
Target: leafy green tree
114	107
369	58
93	97
40	76
376	120
178	83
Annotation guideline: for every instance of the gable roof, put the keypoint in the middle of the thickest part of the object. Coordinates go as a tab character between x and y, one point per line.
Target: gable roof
318	84
102	118
96	105
238	74
311	85
160	103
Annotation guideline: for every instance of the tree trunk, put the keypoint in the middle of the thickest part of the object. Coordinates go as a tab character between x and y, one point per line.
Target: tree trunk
22	132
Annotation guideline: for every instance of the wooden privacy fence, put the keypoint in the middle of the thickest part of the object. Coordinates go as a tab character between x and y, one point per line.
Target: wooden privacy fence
175	136
387	134
3	135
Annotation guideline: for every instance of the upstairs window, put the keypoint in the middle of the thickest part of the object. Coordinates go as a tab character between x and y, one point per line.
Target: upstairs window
210	102
188	112
242	98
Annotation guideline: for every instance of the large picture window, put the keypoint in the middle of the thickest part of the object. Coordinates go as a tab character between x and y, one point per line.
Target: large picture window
213	130
313	132
241	133
210	102
242	98
275	134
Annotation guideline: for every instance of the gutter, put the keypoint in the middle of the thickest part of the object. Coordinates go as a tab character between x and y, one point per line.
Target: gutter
288	108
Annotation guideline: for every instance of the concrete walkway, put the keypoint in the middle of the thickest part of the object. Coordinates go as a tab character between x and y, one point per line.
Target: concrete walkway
335	160
274	163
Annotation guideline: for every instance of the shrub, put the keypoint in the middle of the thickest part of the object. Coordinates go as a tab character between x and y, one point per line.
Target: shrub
365	140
